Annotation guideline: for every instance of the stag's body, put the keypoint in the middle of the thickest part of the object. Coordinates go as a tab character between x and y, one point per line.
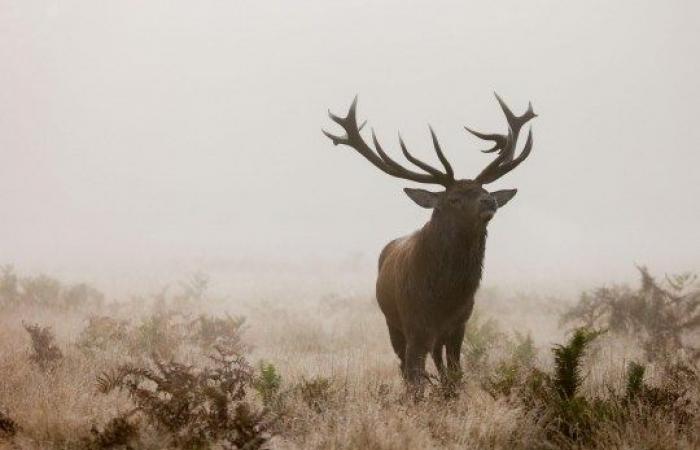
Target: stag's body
427	281
425	288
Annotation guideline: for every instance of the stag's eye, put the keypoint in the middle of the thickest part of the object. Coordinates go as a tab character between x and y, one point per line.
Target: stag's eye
454	200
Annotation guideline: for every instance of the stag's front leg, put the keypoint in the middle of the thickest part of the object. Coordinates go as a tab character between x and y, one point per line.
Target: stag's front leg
436	353
414	369
454	353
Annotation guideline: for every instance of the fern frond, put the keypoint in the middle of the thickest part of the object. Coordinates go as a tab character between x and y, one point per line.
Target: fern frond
567	361
635	379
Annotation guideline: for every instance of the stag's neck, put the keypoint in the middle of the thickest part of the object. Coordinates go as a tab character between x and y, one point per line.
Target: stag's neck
454	254
454	241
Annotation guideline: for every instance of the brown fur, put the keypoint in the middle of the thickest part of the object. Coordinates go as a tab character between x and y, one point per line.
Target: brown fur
427	281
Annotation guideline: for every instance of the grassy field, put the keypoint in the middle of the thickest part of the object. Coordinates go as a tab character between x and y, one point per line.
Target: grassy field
77	372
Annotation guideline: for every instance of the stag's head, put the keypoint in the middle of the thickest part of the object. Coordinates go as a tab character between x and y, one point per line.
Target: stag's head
465	200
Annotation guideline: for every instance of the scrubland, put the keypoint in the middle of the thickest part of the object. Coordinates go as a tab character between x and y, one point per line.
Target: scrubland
616	367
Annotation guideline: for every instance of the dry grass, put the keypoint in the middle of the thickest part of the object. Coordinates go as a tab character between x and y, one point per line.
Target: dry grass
335	381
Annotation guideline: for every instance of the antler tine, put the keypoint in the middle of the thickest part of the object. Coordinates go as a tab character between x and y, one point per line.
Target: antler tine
380	159
349	120
499	139
428	168
441	156
515	122
382	154
352	137
507	166
505	144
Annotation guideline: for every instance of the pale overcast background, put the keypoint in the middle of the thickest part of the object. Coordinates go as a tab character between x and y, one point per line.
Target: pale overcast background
144	140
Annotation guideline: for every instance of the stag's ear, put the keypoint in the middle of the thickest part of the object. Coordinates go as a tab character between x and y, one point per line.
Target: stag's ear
423	198
504	196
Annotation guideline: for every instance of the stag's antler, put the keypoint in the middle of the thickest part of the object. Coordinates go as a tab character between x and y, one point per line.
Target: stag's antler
381	160
505	144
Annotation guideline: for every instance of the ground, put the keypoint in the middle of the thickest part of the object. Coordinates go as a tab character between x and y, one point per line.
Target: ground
339	382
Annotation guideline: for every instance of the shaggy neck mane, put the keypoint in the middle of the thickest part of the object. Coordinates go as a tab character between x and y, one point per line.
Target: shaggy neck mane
453	255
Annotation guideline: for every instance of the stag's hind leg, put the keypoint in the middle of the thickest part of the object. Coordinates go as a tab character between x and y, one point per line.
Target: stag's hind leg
398	341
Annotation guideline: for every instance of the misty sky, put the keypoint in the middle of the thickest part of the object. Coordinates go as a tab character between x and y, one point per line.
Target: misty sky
141	136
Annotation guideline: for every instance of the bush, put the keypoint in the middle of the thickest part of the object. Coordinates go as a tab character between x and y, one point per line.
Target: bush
195	407
567	362
160	334
661	316
209	332
556	397
673	397
316	393
570	418
193	290
45	353
40	291
553	397
81	296
635	379
117	433
521	357
8	427
46	292
268	383
522	349
101	333
9	287
481	338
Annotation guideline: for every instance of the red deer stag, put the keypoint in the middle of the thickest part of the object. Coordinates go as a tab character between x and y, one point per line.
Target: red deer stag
427	280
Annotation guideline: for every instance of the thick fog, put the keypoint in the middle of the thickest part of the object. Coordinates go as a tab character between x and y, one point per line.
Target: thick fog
151	139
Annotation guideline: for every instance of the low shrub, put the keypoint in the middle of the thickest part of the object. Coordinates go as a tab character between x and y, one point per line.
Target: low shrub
102	333
662	316
161	334
195	407
209	332
116	434
316	392
481	339
44	353
268	383
45	292
570	418
8	427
